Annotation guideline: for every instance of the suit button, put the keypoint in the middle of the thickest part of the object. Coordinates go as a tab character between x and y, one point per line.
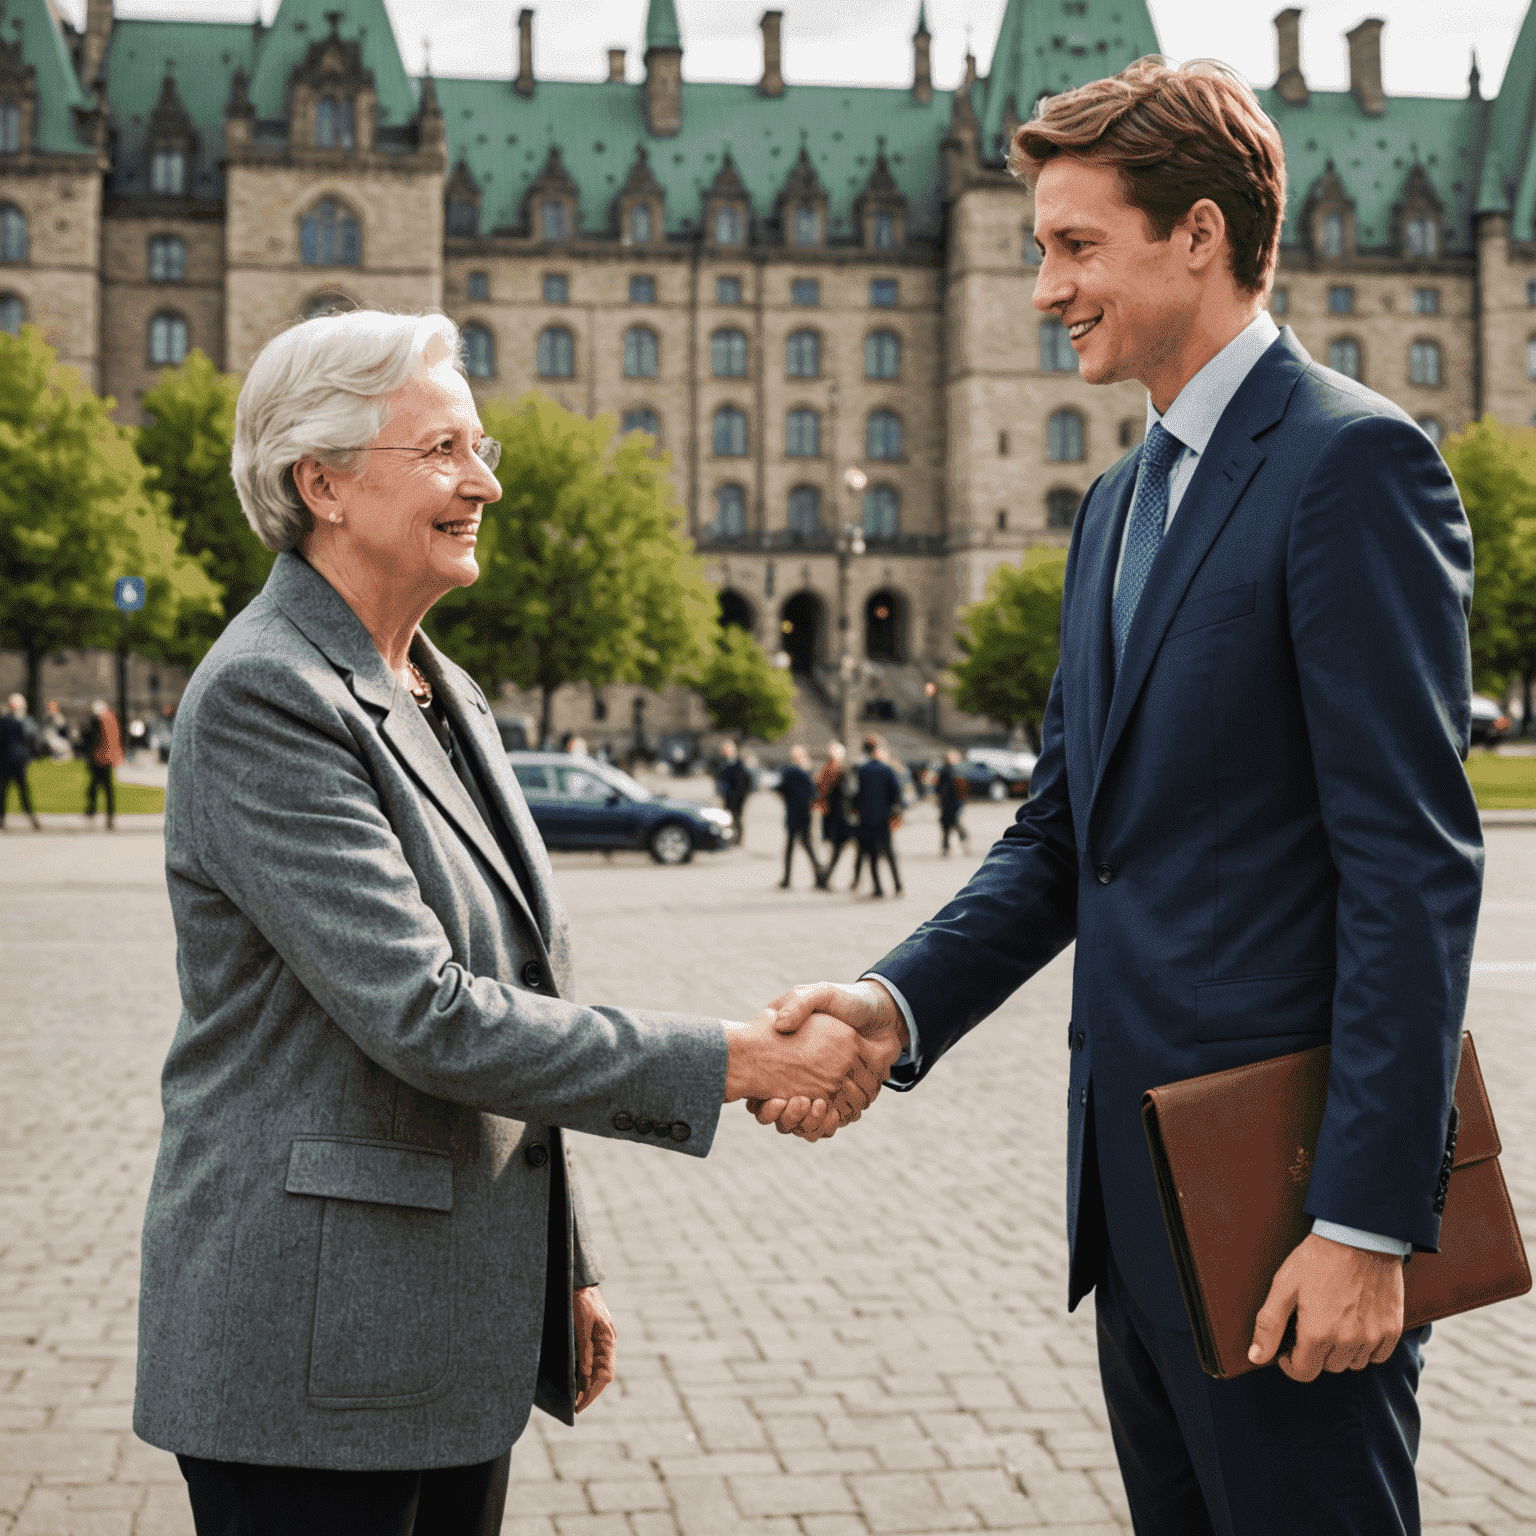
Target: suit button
644	1127
1082	1095
623	1121
1105	873
681	1130
1078	1043
532	974
662	1129
537	1155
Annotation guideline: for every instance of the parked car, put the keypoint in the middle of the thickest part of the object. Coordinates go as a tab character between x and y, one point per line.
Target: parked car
578	802
1012	770
1490	725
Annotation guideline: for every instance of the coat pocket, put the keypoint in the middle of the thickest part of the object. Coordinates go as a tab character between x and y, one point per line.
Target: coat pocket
1259	1007
382	1332
1230	603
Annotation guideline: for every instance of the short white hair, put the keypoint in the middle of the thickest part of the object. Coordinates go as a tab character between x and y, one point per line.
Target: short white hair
320	391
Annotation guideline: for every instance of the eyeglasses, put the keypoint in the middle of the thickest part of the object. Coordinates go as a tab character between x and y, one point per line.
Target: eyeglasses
488	451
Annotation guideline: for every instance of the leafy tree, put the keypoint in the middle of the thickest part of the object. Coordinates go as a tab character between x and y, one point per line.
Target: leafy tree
77	511
1012	642
585	572
188	436
742	690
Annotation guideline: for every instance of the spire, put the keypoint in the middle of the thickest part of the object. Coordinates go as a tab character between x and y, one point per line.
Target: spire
661	29
1475	80
922	20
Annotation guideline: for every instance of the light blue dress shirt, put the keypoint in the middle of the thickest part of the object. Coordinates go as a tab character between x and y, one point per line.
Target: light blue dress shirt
1193	418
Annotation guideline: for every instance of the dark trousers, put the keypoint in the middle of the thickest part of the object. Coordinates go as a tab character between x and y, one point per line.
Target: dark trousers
949	822
18	777
233	1498
802	836
101	778
874	845
1261	1455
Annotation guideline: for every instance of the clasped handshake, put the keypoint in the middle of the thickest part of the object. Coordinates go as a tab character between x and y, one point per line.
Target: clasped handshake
814	1059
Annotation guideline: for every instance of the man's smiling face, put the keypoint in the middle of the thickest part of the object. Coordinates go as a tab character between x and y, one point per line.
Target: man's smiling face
1126	298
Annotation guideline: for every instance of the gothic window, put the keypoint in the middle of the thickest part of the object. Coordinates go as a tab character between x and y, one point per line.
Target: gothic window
556	355
882	231
727	290
463	217
479	285
727	225
1426	301
728	355
1064	438
1056	351
12	314
1424	363
1421	235
882	512
804	511
552	220
335	123
479	352
168	172
1280	302
806	225
167	259
882	355
1061	507
640	223
802	355
728	435
1341	300
802	434
1344	357
642	290
730	512
13	233
641	420
1431	428
882	435
556	289
882	293
640	356
167	340
10	128
1333	234
329	236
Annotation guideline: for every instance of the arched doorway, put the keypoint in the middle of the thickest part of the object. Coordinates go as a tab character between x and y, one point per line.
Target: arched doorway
800	629
736	612
885	624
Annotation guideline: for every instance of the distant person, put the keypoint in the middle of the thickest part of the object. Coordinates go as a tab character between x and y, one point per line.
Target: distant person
57	736
951	789
103	751
20	742
830	801
798	791
878	802
577	746
734	783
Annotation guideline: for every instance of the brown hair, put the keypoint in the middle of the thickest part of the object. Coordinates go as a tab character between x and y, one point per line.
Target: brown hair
1175	136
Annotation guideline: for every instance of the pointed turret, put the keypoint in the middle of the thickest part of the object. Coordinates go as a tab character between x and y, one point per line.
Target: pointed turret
661	28
57	113
663	70
922	69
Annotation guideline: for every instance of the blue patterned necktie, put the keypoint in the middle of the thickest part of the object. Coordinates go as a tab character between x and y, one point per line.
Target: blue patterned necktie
1145	537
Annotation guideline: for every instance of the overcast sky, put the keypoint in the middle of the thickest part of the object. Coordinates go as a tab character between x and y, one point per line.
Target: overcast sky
1426	44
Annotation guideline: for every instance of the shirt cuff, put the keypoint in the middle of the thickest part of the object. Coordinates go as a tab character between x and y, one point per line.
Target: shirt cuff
909	1057
1353	1237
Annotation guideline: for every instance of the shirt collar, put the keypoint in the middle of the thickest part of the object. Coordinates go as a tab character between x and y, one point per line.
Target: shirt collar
1198	407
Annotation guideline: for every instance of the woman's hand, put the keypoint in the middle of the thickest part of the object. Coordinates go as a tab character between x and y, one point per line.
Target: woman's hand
597	1345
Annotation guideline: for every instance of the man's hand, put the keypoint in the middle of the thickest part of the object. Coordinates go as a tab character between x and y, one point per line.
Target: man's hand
597	1345
1348	1304
805	1055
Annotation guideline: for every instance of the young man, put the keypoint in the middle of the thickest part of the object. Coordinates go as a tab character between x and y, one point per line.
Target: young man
878	800
1285	536
798	790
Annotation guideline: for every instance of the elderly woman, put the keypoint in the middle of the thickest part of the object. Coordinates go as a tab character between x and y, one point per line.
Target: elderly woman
364	1254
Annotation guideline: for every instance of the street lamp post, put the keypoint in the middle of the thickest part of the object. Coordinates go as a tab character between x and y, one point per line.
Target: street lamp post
850	541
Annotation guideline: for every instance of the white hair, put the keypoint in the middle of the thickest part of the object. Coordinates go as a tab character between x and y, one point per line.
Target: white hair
320	391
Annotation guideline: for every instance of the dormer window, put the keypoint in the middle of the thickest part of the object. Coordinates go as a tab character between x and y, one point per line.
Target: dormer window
727	226
552	222
1333	234
335	123
807	224
640	223
168	172
882	231
1421	236
463	217
10	128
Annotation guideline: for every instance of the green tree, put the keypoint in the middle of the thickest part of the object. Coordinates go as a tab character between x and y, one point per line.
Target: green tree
585	572
187	437
742	690
77	510
1012	641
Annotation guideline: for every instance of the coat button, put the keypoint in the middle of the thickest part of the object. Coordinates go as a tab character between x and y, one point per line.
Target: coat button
681	1130
537	1155
644	1127
532	974
1082	1095
1078	1043
623	1121
1105	873
662	1129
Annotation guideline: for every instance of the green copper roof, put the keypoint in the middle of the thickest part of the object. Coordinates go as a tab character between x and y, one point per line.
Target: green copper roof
1492	194
58	88
505	140
1509	126
299	23
661	29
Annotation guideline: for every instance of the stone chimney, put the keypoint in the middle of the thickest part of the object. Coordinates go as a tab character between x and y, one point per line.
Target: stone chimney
772	83
523	85
616	66
1290	84
922	74
1365	67
98	34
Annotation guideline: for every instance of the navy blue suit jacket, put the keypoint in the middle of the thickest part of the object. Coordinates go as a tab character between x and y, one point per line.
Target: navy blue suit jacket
879	797
798	790
1260	835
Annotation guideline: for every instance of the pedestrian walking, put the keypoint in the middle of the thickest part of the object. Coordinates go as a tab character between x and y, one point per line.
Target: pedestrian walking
57	736
833	805
103	751
20	742
734	784
878	804
798	791
951	789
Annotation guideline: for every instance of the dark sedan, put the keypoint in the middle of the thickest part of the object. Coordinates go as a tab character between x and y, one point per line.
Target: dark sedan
578	802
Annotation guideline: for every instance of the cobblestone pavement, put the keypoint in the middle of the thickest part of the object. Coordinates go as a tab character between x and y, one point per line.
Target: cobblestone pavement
864	1337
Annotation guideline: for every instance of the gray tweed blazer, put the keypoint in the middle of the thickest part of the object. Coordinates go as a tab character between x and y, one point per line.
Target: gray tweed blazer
347	1236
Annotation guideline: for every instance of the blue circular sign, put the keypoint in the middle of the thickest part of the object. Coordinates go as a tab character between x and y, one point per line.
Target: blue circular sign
128	593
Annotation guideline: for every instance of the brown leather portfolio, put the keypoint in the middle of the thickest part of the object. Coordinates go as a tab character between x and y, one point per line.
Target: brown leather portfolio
1233	1151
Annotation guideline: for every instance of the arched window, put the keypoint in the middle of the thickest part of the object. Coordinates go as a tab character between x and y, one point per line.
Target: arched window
1333	234
727	225
728	435
327	303
168	172
329	236
884	621
1421	235
882	435
882	355
13	233
167	259
552	220
882	512
1056	352
1344	357
1424	363
640	223
335	124
641	420
728	355
806	228
556	354
12	314
1064	438
10	128
639	353
479	352
802	434
1061	507
167	340
802	354
730	512
804	511
463	218
1431	428
735	611
882	231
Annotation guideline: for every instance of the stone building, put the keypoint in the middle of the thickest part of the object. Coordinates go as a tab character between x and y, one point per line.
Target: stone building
783	283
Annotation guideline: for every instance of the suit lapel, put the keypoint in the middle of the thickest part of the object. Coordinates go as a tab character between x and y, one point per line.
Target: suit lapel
1096	658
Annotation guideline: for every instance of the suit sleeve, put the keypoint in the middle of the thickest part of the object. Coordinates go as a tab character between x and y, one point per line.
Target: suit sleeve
1379	573
288	827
